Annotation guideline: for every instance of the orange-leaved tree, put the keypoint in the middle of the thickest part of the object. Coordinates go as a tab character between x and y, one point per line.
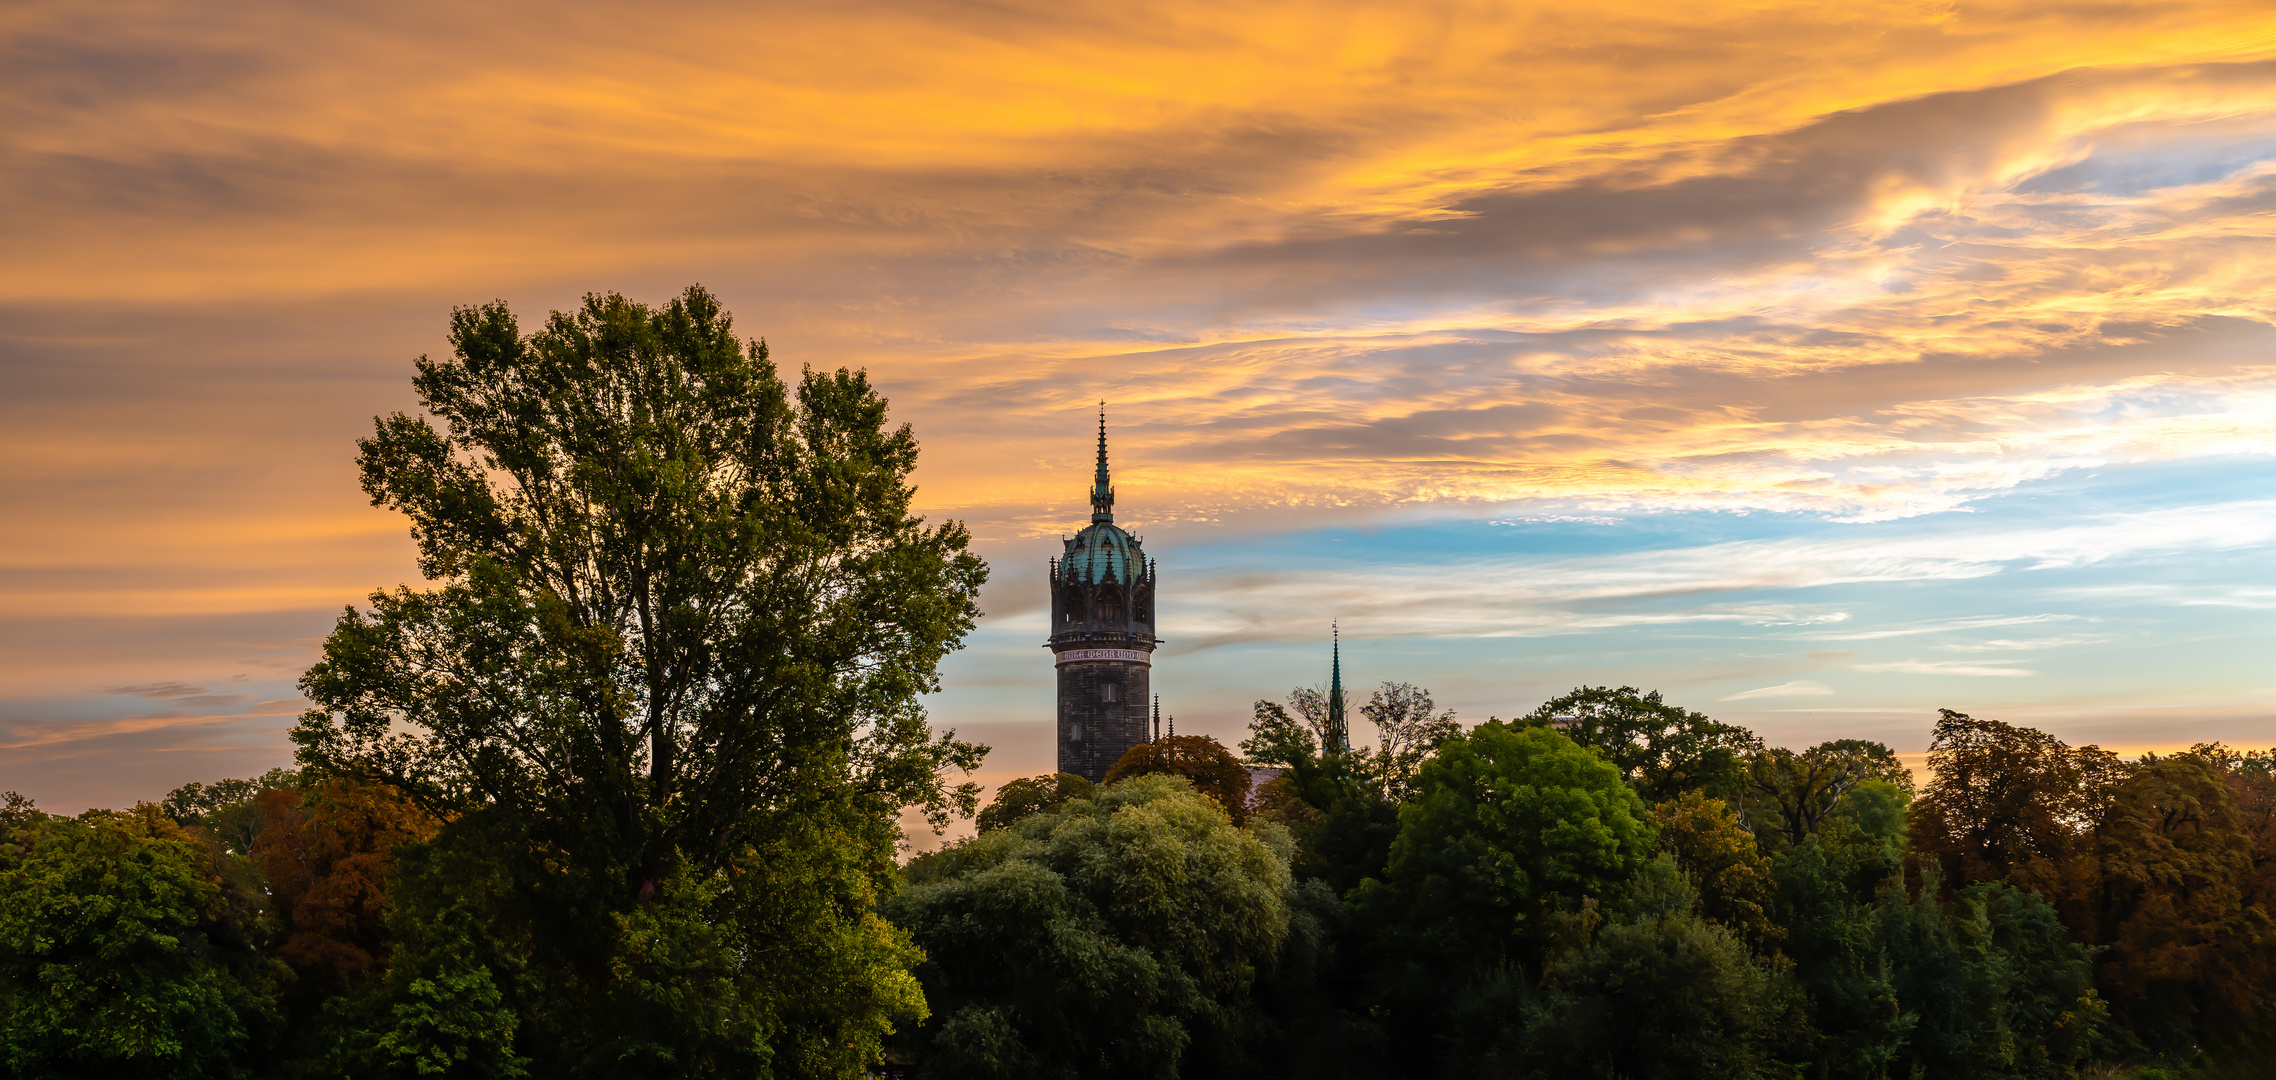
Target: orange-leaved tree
2007	803
1214	770
327	855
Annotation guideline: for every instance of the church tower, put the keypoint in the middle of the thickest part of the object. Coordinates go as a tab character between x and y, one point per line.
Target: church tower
1102	635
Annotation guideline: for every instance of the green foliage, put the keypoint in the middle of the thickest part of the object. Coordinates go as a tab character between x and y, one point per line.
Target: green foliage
1722	862
1104	939
1661	749
127	950
1513	829
1408	729
1789	794
665	681
1278	738
1213	770
1991	983
1335	805
1032	795
1515	838
227	808
1660	994
1852	1024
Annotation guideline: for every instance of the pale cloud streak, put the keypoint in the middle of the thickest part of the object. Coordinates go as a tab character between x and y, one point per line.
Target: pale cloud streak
1547	596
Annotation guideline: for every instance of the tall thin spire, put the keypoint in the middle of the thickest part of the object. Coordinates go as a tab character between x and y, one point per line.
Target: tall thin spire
1157	718
1337	731
1102	489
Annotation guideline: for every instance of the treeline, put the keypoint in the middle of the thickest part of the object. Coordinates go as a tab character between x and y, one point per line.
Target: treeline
616	794
1609	886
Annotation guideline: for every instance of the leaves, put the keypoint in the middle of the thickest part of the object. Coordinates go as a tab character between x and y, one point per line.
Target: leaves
1101	939
1212	769
1662	749
121	952
668	660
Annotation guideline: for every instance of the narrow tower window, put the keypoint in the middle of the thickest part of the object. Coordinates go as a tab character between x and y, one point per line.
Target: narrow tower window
1106	693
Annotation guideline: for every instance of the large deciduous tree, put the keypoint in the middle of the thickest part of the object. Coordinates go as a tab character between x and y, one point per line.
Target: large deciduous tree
679	617
1791	793
1663	750
2007	803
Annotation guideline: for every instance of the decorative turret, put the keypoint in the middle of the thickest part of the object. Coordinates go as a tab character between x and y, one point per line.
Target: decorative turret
1102	634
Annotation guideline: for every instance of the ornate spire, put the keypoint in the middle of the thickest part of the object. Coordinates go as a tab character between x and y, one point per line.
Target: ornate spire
1102	490
1157	718
1337	731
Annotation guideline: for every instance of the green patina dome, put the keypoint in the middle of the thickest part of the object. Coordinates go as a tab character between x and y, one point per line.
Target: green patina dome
1102	553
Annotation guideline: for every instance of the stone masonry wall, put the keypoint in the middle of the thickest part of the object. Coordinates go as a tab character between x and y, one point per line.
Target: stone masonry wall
1093	733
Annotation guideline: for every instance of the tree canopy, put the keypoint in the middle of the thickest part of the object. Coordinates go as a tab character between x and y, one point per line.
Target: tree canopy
678	620
1663	749
1102	939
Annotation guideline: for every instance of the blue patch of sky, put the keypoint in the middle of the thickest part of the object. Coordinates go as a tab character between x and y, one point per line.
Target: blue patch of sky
2068	646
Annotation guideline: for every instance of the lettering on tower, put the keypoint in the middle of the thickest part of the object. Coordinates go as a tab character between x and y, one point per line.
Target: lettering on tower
1102	635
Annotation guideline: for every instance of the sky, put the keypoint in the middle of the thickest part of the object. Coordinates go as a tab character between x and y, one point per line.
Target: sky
1817	365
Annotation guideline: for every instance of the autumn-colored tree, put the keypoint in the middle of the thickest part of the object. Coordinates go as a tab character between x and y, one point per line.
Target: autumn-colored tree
228	809
1214	770
327	856
2187	953
2251	779
2007	803
1719	855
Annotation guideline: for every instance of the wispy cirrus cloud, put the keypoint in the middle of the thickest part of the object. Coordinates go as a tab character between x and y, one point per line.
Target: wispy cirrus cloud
1795	688
1536	596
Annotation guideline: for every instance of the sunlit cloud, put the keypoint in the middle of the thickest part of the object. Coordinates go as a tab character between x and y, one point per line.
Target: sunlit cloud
1949	667
1796	688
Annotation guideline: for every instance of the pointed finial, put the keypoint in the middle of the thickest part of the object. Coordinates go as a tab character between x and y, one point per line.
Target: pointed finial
1337	732
1102	489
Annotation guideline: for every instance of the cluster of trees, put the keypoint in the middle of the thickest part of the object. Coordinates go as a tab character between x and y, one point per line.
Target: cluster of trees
617	795
1608	886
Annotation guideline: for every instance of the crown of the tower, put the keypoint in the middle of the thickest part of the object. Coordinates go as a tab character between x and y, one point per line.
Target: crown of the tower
1102	489
1103	551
